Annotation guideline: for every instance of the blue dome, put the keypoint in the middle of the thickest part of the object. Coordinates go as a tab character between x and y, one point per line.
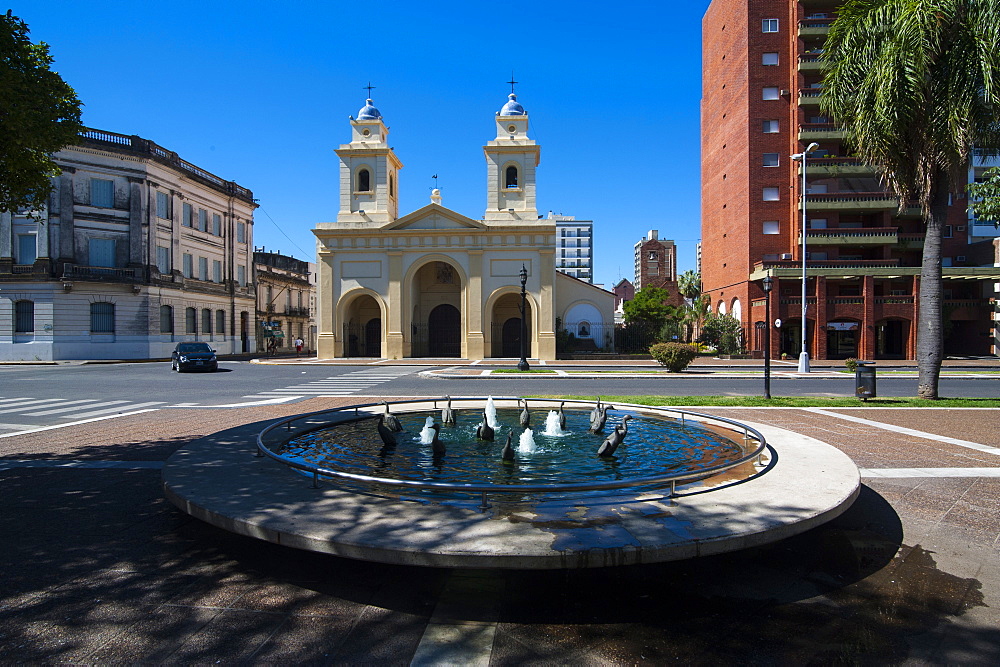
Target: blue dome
369	112
512	108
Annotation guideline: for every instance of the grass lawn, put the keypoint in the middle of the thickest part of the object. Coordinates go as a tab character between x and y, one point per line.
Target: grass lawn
794	401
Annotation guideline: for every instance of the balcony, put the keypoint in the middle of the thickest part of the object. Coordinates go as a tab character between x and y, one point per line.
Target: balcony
809	97
819	132
100	273
810	62
296	311
850	201
814	28
852	236
836	167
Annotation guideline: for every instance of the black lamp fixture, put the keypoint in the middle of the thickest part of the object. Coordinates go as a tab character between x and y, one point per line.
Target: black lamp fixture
523	364
767	284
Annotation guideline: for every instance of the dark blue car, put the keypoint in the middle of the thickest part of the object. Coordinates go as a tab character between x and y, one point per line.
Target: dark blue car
193	357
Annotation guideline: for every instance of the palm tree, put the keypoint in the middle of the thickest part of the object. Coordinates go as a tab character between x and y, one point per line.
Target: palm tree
915	84
689	284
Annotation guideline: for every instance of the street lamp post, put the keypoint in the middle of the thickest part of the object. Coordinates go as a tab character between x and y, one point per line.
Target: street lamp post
767	284
804	354
523	364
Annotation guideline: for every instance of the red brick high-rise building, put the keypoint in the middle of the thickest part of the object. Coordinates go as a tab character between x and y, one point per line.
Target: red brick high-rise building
761	83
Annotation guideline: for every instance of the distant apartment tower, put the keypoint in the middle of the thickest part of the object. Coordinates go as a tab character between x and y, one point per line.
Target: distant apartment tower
574	246
655	261
761	84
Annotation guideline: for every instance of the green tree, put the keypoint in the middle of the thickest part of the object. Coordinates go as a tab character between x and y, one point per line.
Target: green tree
689	284
723	332
648	308
39	114
984	198
914	84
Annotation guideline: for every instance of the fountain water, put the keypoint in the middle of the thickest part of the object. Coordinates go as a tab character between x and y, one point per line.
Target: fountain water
427	432
526	445
491	413
552	426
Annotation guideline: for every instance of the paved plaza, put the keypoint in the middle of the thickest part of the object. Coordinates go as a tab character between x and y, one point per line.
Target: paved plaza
96	566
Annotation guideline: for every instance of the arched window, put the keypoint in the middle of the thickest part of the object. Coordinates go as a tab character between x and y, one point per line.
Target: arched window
102	318
166	319
364	180
190	321
206	322
510	177
220	322
24	316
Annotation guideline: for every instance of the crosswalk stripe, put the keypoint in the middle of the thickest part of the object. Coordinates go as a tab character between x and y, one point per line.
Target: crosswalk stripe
75	407
340	385
32	404
119	408
22	402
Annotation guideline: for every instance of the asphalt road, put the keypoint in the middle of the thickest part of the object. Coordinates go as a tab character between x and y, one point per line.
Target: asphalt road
41	396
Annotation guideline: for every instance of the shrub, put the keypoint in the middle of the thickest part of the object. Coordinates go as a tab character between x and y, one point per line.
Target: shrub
674	356
852	364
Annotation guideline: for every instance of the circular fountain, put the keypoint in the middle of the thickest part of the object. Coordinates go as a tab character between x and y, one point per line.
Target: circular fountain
676	485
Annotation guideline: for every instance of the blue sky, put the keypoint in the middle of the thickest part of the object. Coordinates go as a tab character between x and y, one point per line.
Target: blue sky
260	93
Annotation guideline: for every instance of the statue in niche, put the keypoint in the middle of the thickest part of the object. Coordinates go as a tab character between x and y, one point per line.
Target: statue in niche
445	273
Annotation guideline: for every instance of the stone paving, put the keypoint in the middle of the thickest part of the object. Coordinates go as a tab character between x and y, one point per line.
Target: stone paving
97	567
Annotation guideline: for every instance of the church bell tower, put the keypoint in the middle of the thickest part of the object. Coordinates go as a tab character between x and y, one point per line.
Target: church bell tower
369	186
511	160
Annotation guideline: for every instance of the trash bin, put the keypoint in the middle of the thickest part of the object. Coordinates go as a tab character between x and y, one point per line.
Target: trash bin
864	380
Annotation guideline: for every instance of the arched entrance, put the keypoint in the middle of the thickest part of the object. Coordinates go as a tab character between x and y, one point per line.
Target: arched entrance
842	339
436	324
363	328
444	327
506	328
890	338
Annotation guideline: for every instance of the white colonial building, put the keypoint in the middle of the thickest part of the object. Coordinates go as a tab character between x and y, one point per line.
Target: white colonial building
434	282
136	250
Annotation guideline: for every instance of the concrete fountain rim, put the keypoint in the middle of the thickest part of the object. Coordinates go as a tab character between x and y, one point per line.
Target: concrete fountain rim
219	480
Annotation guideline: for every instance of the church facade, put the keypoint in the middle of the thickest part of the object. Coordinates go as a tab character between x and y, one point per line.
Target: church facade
435	283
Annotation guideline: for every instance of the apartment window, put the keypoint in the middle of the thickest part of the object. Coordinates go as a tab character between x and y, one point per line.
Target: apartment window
188	266
27	246
102	252
217	224
770	127
166	319
206	321
162	259
102	193
771	93
769	25
948	232
770	226
216	271
203	268
510	177
24	316
771	194
162	205
241	232
220	322
364	180
241	275
202	220
102	318
300	299
817	223
190	321
652	255
769	59
187	219
770	159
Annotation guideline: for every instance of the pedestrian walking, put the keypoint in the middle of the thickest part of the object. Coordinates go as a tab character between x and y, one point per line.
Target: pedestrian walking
298	346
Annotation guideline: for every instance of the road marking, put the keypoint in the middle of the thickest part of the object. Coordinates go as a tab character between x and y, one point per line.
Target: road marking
130	407
348	384
76	423
75	407
908	431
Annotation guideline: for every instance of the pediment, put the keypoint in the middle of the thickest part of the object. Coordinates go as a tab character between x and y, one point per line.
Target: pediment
434	216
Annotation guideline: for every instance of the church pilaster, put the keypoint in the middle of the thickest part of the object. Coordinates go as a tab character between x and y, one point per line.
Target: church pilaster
396	346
